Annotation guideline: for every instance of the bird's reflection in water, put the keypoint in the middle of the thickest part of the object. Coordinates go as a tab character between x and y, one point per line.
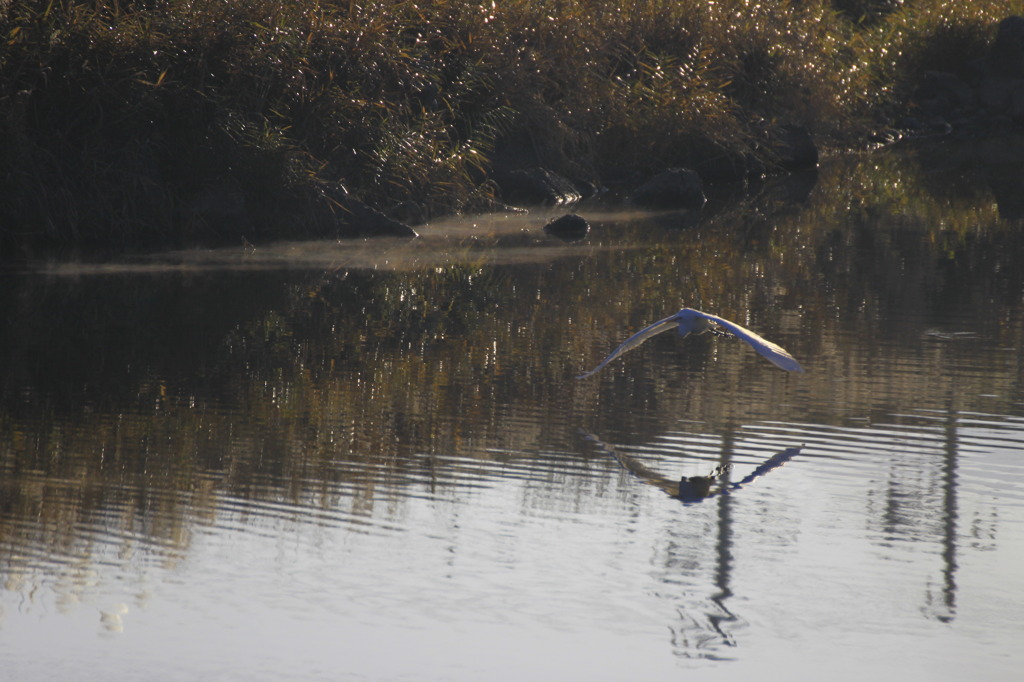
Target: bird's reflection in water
705	625
692	488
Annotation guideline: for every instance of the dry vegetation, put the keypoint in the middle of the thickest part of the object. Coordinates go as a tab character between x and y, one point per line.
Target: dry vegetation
127	121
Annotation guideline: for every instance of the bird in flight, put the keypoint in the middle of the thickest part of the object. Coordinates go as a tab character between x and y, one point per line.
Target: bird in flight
690	321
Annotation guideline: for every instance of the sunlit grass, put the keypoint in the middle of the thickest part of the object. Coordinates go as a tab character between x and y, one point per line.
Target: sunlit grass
118	117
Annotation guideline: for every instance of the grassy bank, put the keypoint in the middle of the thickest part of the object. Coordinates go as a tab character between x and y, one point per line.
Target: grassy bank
126	122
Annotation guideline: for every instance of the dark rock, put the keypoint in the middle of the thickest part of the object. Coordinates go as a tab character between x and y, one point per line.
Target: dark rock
536	187
587	189
674	188
792	148
569	227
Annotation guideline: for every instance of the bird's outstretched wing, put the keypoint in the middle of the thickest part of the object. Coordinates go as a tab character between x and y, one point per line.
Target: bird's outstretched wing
773	352
635	340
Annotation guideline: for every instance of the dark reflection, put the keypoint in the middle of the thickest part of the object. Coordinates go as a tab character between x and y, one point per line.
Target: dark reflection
945	608
691	488
970	168
686	488
928	512
704	629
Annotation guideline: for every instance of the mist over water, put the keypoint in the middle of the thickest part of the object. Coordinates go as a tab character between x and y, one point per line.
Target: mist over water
372	459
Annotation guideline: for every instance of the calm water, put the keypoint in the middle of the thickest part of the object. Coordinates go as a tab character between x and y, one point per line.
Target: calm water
372	460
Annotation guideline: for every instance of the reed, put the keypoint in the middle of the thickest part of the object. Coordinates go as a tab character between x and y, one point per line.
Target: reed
134	121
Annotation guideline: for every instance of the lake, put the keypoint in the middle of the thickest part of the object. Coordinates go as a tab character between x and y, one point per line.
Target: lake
372	460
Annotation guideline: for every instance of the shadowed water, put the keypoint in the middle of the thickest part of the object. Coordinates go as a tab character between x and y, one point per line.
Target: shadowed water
372	460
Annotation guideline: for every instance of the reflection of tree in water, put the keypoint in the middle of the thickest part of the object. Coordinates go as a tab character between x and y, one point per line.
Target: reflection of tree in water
132	407
944	608
920	505
705	625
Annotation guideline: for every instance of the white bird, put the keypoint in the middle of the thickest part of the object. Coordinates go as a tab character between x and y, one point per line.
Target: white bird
690	321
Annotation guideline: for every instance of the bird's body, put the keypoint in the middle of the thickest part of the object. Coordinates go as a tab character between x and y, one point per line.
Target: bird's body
690	321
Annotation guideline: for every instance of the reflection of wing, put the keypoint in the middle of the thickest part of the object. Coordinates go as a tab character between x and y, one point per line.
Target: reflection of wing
634	467
774	353
773	462
635	340
694	488
648	476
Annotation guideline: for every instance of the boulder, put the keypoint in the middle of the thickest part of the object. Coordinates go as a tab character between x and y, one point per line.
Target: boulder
569	227
536	187
674	188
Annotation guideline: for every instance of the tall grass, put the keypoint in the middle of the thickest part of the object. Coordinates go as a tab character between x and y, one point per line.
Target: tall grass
142	120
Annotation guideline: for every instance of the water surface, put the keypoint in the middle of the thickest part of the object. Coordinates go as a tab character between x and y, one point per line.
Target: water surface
372	460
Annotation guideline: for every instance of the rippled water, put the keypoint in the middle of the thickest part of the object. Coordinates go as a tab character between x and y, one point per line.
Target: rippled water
373	461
